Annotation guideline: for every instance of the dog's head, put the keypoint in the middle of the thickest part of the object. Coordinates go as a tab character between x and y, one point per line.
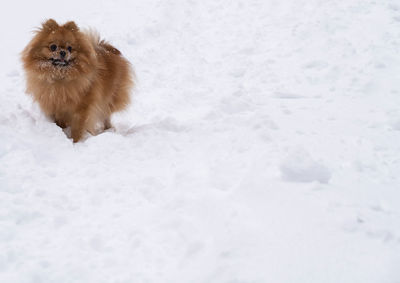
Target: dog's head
59	51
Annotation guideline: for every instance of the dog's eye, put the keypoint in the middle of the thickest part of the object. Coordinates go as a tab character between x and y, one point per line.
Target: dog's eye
69	48
53	47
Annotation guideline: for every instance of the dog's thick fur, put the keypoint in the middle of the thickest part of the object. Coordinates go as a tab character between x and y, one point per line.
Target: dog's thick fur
81	82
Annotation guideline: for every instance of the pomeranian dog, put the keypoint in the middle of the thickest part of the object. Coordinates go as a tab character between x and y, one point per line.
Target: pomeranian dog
77	79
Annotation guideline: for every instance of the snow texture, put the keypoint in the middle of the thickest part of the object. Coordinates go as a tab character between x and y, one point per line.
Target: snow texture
299	167
262	145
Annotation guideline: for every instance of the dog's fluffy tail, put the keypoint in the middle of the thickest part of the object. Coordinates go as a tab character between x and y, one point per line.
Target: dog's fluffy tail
100	44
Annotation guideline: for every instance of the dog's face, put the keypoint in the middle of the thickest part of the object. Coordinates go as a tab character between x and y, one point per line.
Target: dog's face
61	48
59	51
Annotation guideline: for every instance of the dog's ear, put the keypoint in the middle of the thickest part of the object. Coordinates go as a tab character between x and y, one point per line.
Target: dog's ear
71	26
50	25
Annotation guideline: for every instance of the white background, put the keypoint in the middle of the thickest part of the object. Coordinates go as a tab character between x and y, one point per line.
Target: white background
262	145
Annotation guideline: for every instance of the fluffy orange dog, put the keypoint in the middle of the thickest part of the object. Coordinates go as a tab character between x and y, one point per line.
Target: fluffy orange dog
77	79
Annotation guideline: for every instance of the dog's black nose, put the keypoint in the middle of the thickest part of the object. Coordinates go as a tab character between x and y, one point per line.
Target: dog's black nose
62	53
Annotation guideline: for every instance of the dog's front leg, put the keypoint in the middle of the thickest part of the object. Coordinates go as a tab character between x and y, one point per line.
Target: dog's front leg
78	124
77	127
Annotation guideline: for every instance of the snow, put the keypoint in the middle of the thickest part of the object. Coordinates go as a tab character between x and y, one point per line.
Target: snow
300	167
262	145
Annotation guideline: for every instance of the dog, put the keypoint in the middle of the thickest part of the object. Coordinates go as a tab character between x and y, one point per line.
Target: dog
77	79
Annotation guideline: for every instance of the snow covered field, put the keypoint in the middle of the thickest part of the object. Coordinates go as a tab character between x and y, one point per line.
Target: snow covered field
263	145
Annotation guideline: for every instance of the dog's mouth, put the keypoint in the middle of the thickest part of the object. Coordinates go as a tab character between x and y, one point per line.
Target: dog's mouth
60	62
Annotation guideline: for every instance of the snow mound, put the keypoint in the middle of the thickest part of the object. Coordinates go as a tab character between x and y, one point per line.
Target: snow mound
299	166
